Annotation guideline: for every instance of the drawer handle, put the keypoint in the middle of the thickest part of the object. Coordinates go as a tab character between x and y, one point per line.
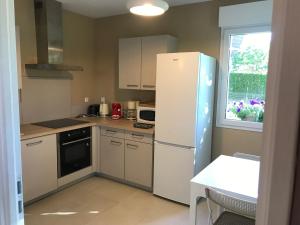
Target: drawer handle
111	131
115	143
34	143
138	136
132	146
132	85
149	86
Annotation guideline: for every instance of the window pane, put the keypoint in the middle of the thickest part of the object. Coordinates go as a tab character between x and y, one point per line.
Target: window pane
248	68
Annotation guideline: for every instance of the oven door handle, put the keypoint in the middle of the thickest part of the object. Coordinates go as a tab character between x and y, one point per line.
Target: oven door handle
72	142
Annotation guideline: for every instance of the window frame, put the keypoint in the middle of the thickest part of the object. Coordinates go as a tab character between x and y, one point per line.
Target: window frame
221	120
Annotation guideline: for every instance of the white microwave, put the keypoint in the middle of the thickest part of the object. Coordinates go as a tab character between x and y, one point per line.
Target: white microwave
146	114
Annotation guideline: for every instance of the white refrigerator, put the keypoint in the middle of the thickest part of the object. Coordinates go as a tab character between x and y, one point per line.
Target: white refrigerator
183	123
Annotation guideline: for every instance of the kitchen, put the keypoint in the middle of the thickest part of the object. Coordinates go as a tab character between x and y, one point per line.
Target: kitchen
100	63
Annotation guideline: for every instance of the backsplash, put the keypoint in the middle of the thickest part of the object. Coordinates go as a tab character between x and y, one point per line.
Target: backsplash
45	99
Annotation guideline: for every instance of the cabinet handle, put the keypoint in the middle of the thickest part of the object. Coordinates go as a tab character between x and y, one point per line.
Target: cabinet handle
137	136
132	146
115	142
111	131
132	85
34	143
149	86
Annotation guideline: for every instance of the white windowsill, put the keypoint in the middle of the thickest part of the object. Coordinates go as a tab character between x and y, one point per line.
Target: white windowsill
240	125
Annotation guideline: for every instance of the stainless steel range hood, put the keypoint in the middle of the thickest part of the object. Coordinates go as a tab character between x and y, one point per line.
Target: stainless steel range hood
49	37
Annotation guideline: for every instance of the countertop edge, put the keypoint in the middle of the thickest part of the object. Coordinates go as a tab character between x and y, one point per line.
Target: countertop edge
50	131
34	131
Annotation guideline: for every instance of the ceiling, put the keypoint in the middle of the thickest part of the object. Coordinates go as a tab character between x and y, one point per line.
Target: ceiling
104	8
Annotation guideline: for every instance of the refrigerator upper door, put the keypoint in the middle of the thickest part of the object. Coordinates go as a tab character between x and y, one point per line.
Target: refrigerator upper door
177	79
173	170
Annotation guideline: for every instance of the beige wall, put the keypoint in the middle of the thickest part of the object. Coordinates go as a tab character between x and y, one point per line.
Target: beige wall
79	49
196	27
93	44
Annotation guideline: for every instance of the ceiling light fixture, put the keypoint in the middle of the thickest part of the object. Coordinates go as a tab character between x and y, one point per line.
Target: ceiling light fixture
148	7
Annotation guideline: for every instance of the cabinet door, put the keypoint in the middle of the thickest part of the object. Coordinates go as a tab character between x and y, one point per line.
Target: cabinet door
138	162
112	156
130	63
39	164
151	46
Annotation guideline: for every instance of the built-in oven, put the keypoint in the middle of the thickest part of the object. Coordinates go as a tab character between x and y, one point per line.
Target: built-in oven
74	151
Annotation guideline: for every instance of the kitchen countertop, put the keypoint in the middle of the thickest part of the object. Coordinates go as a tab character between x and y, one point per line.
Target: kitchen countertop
29	131
123	124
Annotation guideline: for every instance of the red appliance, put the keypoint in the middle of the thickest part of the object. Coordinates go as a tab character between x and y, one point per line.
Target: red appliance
116	111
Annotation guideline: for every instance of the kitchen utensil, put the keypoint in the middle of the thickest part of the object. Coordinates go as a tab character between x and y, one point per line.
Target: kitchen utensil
93	110
116	111
104	111
131	105
131	110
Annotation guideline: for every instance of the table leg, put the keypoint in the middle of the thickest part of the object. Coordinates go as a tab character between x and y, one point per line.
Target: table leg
193	210
220	209
197	192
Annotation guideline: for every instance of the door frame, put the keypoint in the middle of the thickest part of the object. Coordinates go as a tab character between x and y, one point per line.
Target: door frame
10	163
282	117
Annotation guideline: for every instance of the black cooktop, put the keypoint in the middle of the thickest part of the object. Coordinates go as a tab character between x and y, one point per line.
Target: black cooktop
59	123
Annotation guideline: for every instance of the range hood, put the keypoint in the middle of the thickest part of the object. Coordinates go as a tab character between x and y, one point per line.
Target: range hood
49	37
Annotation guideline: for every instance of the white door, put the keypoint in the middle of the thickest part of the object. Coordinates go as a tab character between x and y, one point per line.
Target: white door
173	170
11	203
176	98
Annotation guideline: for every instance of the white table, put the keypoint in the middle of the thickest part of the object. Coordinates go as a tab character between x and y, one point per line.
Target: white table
234	176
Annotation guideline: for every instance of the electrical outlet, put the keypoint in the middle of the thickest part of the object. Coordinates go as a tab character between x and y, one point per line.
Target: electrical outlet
86	99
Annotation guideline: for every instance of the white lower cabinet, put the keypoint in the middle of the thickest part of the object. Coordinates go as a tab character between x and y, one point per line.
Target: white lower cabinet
112	156
138	162
127	155
39	164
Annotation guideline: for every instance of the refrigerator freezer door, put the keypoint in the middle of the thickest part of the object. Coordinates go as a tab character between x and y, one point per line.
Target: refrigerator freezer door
177	81
173	170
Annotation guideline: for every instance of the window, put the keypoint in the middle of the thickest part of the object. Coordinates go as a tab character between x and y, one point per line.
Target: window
242	78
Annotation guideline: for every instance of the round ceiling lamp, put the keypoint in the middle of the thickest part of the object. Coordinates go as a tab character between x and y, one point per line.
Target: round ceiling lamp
148	7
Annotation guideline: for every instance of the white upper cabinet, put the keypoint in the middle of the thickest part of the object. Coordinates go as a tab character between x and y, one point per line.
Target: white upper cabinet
130	56
137	60
151	46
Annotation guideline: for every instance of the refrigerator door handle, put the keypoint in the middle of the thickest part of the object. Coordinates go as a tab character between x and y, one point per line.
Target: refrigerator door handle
175	145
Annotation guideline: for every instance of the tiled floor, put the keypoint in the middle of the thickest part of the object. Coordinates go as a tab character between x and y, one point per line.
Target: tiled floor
98	201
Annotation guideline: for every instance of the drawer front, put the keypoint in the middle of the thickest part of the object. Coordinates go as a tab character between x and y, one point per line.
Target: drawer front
112	156
138	162
112	132
135	136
